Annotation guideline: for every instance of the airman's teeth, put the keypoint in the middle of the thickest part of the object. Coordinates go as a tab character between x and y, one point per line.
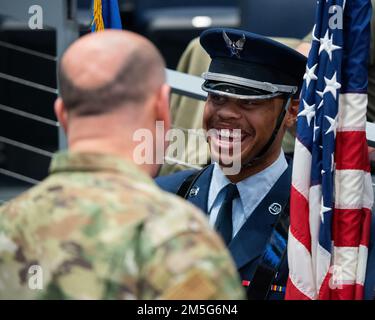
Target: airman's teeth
225	133
236	134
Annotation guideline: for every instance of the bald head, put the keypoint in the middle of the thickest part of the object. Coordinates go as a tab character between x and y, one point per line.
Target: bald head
107	70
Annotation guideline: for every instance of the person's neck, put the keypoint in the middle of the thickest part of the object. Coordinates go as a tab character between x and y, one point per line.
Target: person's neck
112	147
256	167
101	145
107	139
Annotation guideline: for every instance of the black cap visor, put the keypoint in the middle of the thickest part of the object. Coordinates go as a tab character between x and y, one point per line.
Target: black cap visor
237	91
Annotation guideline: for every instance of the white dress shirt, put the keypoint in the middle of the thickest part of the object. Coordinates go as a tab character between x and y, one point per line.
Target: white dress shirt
252	191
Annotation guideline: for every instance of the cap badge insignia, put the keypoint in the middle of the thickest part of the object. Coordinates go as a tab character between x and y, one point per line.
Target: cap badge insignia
234	47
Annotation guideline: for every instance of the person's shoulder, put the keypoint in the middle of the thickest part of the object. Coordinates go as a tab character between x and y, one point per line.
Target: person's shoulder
171	183
175	216
180	241
12	209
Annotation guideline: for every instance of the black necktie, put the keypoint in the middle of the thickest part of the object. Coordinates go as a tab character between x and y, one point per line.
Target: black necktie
223	224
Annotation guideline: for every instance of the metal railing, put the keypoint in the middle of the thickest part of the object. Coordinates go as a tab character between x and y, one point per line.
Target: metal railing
60	16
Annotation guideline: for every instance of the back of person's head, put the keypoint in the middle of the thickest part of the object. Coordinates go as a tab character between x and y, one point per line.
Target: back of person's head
107	70
112	83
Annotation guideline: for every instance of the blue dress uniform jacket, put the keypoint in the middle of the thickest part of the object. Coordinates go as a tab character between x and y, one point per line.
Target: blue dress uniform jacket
248	245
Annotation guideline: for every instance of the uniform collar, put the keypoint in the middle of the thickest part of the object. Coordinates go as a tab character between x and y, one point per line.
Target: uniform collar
66	161
257	184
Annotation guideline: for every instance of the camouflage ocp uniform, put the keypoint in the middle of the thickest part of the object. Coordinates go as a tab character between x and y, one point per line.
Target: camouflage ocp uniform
99	228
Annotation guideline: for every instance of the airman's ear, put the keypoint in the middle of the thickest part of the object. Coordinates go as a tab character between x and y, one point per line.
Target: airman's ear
291	115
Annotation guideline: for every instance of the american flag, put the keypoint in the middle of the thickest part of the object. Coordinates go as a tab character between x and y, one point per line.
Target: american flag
331	195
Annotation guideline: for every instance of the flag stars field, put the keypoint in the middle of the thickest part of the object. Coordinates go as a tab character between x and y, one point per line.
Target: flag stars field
316	128
326	44
321	102
333	125
310	75
332	85
308	112
323	210
313	34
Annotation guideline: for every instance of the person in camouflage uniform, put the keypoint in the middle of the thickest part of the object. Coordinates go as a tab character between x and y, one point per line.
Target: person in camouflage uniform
98	227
